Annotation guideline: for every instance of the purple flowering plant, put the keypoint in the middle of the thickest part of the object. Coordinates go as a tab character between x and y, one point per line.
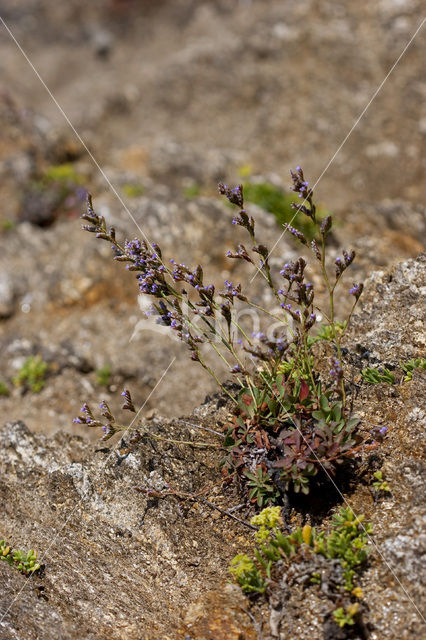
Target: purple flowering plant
291	424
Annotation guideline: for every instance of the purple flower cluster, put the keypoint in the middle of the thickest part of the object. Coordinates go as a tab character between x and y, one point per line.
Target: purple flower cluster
232	291
294	271
296	233
236	369
275	348
182	273
316	250
240	254
301	187
336	371
235	196
299	291
157	280
342	265
305	316
325	225
128	403
90	421
165	315
356	290
108	423
379	433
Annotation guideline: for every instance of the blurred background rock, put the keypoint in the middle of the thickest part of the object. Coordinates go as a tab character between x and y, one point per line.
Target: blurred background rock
170	97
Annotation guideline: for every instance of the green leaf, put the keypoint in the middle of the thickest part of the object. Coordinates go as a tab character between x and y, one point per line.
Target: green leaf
324	404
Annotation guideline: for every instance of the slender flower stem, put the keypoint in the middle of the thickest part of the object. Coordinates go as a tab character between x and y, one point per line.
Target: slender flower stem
211	372
190	443
336	338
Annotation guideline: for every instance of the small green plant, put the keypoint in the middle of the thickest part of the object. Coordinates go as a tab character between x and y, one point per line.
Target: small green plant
56	191
325	332
7	224
261	489
32	374
380	483
345	616
26	562
191	191
347	542
4	391
247	574
64	174
133	190
376	376
409	367
290	422
103	376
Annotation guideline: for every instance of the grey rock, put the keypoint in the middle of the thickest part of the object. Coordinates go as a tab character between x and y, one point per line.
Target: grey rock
117	562
7	295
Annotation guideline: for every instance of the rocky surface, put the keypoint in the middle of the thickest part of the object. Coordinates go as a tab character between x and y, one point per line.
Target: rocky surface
276	83
117	563
166	88
122	564
171	97
64	298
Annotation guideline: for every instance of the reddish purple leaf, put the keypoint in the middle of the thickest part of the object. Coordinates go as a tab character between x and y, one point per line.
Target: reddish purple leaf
304	390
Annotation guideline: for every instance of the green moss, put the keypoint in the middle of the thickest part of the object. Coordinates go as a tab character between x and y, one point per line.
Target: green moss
7	225
104	376
4	391
191	191
132	189
32	374
63	173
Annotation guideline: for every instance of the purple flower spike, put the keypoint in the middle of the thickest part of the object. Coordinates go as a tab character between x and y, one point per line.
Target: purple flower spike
356	290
